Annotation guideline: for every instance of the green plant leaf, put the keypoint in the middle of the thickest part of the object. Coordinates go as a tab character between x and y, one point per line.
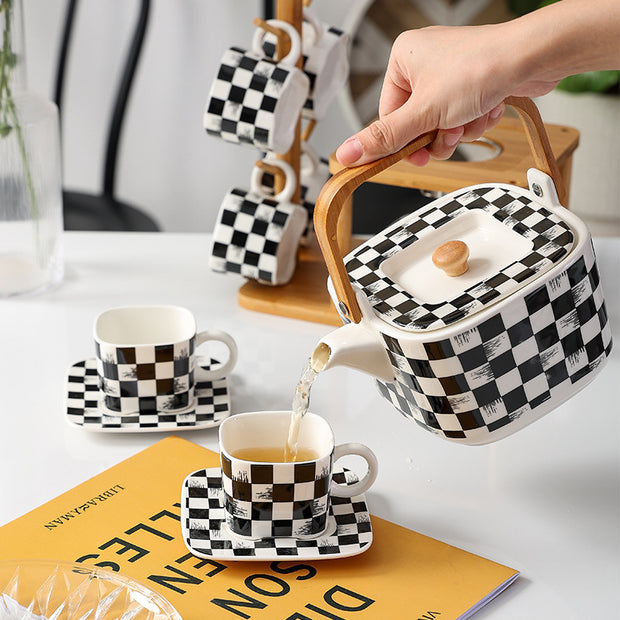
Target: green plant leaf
10	59
591	81
521	7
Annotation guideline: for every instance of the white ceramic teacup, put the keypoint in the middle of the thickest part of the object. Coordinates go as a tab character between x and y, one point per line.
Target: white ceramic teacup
270	499
256	101
146	358
257	234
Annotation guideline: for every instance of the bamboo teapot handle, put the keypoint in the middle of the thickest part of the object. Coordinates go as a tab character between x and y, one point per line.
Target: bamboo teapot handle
341	185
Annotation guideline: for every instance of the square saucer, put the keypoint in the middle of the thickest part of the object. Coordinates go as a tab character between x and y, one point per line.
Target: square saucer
206	535
84	408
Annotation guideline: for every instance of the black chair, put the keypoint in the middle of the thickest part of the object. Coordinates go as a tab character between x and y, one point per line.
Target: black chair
84	211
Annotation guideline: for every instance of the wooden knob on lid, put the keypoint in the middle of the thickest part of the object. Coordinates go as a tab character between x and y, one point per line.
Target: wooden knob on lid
452	256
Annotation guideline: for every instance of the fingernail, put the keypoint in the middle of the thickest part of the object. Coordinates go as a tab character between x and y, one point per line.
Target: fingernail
349	151
452	138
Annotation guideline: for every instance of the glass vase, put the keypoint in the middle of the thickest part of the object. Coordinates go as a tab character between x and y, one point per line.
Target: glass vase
31	223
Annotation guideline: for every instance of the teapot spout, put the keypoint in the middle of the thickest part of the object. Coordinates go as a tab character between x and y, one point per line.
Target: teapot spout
356	346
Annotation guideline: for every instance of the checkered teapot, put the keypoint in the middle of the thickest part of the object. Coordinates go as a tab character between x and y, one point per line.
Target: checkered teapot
476	356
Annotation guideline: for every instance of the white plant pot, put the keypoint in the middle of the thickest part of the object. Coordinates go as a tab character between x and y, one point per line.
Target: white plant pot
595	180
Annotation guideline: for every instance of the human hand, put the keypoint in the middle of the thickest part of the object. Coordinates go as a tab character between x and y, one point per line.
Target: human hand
449	78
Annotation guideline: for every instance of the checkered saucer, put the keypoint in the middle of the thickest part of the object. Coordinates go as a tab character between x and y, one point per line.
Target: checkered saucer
84	407
206	535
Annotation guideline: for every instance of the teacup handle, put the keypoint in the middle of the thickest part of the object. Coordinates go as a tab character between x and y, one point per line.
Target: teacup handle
341	185
315	26
292	57
289	186
308	154
362	485
227	339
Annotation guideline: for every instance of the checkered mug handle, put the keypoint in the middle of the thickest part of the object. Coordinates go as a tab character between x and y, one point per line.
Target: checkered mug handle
340	186
309	161
290	60
222	370
315	29
362	485
286	194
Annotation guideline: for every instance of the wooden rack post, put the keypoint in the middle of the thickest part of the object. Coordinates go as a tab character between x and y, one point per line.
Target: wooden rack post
291	11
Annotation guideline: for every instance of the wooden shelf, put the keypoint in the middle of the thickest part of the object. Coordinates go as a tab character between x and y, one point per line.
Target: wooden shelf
510	166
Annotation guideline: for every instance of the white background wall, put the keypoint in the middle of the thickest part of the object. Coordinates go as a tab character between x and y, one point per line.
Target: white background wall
169	166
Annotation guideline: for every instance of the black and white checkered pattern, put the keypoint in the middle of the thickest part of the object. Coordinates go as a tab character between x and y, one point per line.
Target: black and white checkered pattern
146	379
257	237
243	105
486	382
206	535
550	237
287	499
83	404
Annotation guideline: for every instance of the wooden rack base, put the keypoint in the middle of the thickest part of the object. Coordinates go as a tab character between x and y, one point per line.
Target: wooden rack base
305	296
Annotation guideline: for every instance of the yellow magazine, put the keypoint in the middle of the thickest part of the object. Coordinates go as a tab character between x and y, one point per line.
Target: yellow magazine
127	519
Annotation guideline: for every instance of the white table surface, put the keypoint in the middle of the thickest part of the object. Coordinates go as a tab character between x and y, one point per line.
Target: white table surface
544	501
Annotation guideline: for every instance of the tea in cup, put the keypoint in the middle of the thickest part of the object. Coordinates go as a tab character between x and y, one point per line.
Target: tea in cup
268	497
146	358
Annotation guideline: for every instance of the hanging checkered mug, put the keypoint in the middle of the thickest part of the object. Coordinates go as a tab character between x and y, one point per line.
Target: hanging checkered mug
325	57
256	101
266	497
257	235
146	358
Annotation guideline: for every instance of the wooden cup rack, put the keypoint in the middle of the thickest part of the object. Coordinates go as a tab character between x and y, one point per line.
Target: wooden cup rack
305	296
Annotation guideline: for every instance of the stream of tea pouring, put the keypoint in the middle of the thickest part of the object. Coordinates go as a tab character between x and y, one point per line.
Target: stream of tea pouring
301	399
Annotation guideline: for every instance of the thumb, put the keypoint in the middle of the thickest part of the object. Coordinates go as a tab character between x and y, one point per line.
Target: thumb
382	137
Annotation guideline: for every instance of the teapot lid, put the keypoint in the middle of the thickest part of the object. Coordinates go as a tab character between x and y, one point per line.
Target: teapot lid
512	239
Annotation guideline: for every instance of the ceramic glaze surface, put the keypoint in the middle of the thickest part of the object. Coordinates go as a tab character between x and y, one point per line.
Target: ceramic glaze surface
549	239
145	358
255	102
281	498
85	409
206	534
257	232
257	236
502	373
266	500
148	378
